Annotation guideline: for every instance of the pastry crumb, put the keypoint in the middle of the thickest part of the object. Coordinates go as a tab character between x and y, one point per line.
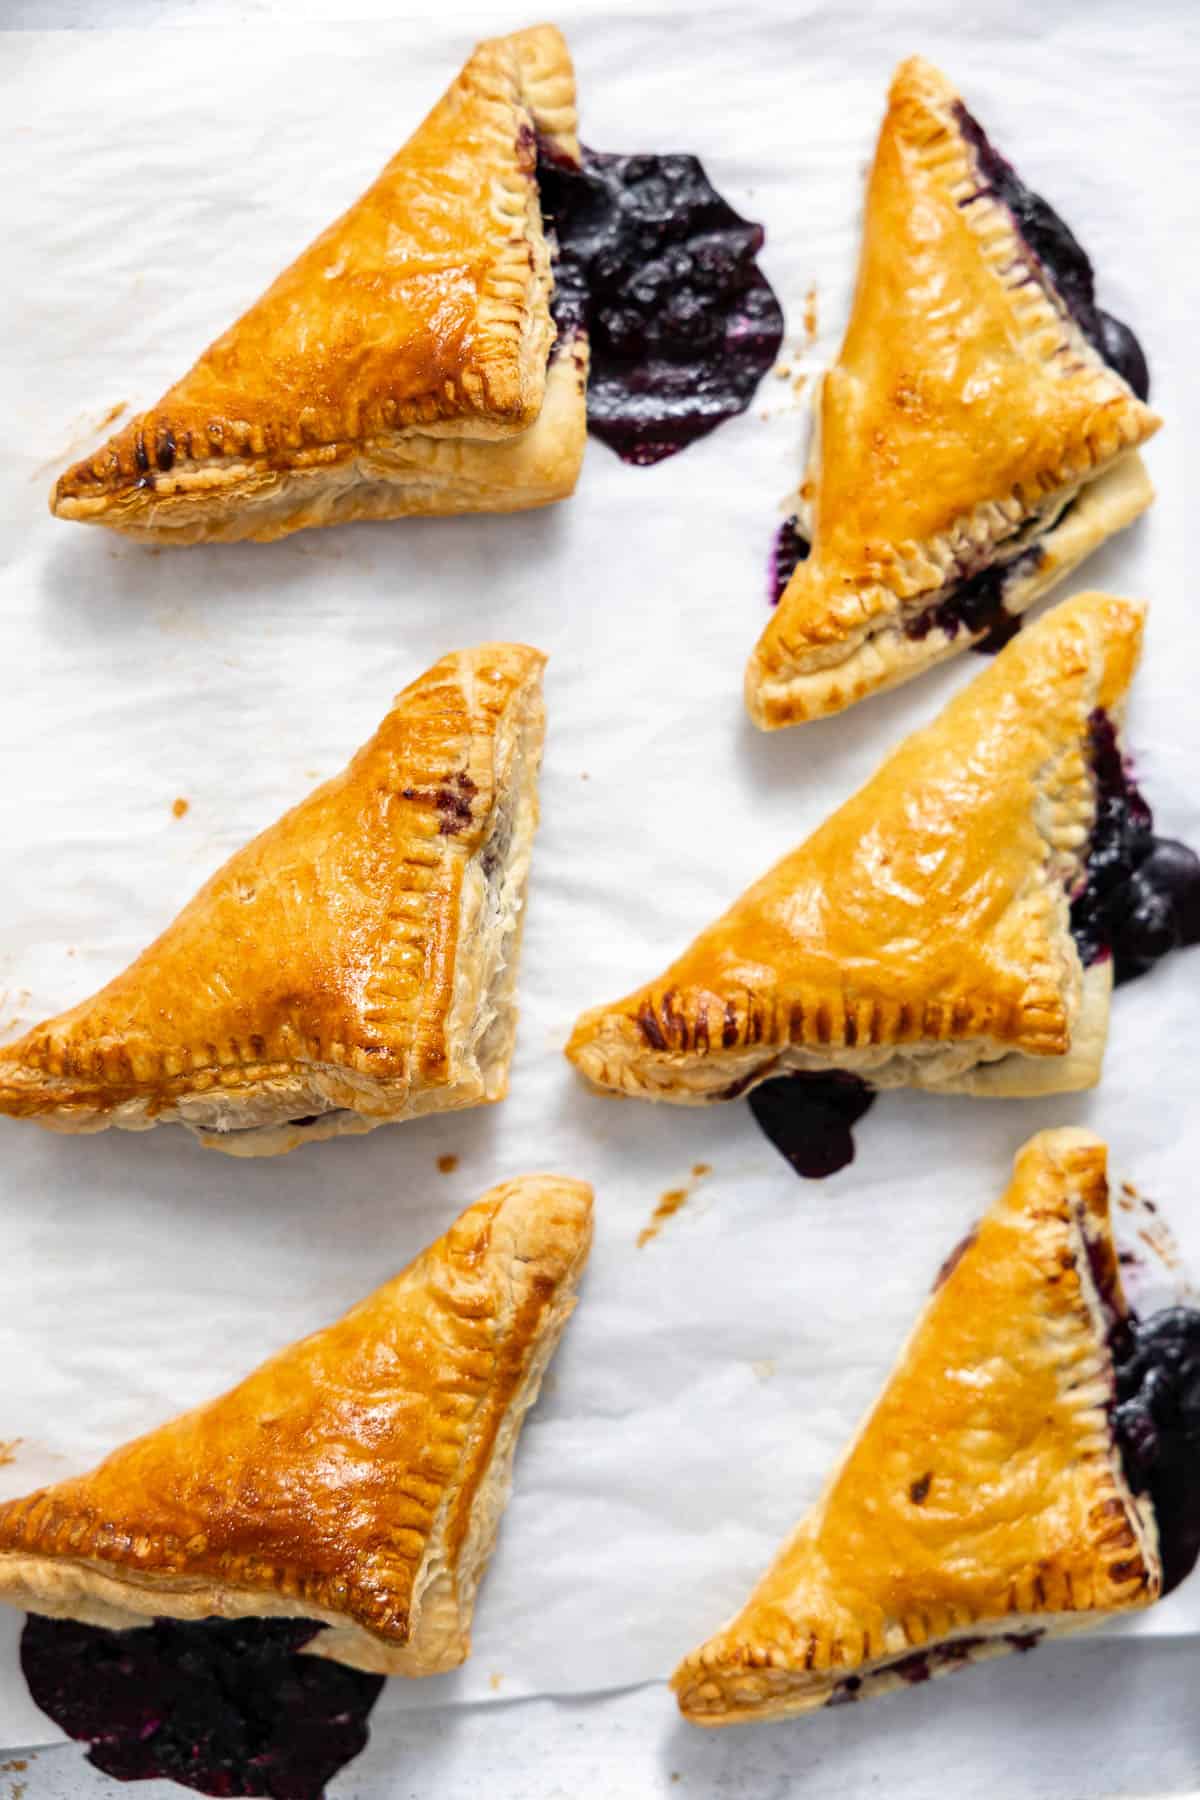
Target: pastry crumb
700	1170
180	806
17	1766
8	1451
584	776
496	1681
447	1164
811	327
1160	1243
764	1368
782	370
800	383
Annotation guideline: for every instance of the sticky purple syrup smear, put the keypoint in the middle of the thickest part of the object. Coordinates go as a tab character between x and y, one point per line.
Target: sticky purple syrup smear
1140	897
1156	1418
788	551
224	1706
1059	255
809	1118
660	273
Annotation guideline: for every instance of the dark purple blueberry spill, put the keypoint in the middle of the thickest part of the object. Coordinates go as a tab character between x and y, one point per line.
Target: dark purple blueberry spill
1157	1422
1061	256
789	549
225	1706
809	1118
659	272
1141	893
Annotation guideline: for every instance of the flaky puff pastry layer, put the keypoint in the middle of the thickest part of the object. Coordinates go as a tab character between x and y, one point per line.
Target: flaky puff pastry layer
983	1500
964	402
354	965
357	1478
921	936
402	364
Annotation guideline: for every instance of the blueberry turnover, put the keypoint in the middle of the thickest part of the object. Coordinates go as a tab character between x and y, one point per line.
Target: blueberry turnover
201	1602
428	353
354	965
1021	1475
953	926
977	436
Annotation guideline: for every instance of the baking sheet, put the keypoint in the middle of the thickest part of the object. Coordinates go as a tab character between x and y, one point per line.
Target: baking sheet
709	1377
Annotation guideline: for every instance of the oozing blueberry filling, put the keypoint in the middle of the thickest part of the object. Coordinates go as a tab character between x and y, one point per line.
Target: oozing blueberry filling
1157	1423
922	1665
223	1706
808	1118
789	549
660	273
977	604
1059	254
1140	896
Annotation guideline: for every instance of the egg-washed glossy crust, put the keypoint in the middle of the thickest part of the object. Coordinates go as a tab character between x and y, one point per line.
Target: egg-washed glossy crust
354	965
921	936
357	1478
400	365
964	398
983	1500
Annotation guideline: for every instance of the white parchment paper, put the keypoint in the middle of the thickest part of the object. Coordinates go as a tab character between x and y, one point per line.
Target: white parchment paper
156	182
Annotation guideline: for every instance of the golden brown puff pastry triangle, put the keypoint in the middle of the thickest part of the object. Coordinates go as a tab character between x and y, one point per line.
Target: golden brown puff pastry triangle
964	413
354	965
357	1478
402	364
983	1502
921	936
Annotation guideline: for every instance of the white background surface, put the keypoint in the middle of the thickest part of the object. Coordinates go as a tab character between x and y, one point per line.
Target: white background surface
162	177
